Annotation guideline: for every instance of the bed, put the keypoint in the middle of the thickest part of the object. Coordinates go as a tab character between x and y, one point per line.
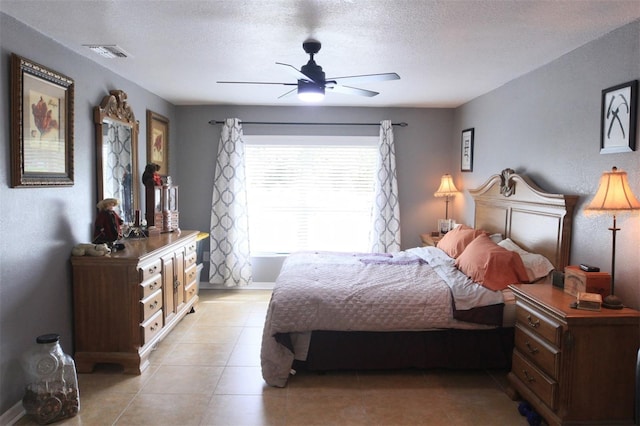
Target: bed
425	307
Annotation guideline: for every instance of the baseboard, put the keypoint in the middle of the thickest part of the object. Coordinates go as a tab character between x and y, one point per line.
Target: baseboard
12	415
204	285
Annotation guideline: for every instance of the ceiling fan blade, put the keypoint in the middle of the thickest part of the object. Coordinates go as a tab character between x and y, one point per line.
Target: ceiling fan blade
366	78
290	92
296	72
352	90
256	82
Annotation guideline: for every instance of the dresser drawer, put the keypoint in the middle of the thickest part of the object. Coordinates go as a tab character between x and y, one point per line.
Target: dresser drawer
190	259
151	327
535	349
536	322
190	291
190	274
150	269
151	305
191	247
151	285
544	387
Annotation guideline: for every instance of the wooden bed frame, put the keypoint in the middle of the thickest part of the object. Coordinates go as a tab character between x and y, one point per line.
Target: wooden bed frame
507	203
514	206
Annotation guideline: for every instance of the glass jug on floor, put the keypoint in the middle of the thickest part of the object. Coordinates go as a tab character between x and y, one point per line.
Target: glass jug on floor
51	393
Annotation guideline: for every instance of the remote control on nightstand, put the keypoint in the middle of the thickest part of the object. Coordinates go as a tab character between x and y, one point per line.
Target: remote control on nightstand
588	268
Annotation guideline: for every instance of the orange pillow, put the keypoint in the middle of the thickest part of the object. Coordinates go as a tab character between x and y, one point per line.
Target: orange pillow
490	265
454	242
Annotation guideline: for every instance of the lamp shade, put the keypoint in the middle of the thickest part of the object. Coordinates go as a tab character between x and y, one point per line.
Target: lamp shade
447	188
614	194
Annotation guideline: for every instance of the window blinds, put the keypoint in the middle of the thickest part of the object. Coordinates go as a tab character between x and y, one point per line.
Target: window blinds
309	193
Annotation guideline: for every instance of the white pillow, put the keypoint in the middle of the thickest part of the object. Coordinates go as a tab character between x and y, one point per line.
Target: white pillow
496	238
537	265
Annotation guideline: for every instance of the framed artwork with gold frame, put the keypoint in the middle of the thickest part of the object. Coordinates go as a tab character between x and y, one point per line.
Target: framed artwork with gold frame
158	141
42	103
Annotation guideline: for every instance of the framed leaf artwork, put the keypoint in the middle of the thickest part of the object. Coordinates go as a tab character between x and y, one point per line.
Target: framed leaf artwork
42	102
158	141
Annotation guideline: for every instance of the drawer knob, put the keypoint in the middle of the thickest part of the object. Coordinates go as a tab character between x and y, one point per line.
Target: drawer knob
532	350
153	305
533	324
153	269
154	327
529	378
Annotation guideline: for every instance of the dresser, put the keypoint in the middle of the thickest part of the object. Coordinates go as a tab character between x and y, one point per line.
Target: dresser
575	367
126	302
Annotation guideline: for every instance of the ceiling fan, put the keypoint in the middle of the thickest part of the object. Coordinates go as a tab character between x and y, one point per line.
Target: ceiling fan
312	83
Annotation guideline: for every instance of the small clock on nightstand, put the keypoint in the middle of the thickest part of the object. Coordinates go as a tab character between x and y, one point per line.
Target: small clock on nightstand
431	239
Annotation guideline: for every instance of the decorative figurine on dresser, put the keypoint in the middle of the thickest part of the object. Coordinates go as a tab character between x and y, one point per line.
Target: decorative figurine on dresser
161	199
107	228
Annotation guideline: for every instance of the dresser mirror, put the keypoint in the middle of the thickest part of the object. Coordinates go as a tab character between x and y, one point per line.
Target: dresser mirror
116	153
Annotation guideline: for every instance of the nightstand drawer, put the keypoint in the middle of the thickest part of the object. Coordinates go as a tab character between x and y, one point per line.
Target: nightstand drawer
537	323
540	353
544	387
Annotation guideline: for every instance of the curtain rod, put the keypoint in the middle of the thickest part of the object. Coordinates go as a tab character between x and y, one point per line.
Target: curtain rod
402	124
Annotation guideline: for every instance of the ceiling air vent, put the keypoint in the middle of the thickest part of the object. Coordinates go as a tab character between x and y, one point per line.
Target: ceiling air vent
108	51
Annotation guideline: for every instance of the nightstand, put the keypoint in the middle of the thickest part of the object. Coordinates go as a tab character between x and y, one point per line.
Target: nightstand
430	240
573	366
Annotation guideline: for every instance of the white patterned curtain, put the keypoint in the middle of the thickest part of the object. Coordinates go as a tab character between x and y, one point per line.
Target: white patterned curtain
385	235
230	263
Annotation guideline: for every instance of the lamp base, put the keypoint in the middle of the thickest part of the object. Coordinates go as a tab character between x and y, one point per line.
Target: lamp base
612	302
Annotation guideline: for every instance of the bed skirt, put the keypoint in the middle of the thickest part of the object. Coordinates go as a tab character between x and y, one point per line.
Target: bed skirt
449	349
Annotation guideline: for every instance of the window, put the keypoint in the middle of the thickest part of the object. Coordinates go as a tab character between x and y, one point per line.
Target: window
309	193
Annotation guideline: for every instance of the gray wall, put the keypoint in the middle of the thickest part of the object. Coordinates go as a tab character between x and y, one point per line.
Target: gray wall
420	148
547	124
40	225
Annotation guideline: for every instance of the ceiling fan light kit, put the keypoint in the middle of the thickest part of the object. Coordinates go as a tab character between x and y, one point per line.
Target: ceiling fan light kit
310	92
312	83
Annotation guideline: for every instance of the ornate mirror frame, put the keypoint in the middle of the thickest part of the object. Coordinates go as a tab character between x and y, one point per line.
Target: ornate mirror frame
116	153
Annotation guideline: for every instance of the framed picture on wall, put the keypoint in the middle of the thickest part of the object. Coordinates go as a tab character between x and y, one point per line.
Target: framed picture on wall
158	141
41	125
466	151
618	120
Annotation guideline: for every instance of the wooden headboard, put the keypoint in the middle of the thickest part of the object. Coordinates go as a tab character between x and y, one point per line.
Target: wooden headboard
514	206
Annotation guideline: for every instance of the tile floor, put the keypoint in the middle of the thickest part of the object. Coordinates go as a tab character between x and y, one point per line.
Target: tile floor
207	372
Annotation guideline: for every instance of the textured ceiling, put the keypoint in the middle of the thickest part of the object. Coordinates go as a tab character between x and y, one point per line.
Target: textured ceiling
446	52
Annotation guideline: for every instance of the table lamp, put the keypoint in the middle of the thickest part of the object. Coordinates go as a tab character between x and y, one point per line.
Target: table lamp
614	197
447	189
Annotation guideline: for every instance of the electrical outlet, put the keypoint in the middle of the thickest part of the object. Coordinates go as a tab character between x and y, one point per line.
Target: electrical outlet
205	256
